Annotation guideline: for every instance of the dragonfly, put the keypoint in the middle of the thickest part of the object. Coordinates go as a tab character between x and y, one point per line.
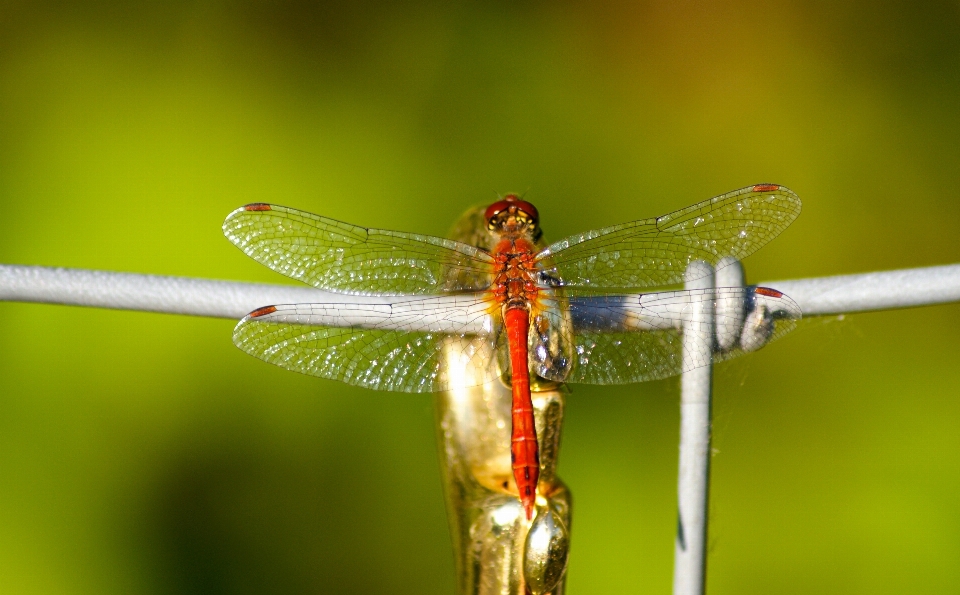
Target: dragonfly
600	307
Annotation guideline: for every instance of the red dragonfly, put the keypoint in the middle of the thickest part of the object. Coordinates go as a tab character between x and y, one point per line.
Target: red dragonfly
578	310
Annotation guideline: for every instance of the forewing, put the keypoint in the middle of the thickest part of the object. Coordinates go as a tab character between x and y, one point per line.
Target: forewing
656	252
620	339
337	256
423	345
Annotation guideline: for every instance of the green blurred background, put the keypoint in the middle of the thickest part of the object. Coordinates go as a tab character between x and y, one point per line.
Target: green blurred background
144	453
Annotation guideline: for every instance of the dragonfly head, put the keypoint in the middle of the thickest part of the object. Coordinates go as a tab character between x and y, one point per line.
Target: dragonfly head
514	216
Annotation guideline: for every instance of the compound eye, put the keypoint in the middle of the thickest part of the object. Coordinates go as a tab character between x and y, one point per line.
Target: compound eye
495	209
527	209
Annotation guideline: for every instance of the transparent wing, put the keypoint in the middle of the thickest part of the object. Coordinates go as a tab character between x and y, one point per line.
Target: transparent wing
620	339
422	345
655	252
337	256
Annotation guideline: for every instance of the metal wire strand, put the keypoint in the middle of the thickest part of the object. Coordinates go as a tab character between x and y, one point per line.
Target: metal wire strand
231	299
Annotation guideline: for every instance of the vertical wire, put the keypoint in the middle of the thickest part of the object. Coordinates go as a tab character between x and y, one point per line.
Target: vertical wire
693	479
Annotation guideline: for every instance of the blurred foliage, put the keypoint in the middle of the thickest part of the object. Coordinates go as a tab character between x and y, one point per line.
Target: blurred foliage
144	453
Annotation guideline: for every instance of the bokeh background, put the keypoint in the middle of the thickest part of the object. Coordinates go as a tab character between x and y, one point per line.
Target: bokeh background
143	453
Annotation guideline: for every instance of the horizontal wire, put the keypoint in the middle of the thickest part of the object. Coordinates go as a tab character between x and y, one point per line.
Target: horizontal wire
884	290
231	299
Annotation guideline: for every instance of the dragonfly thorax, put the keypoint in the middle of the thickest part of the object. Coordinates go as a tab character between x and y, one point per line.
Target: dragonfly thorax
514	273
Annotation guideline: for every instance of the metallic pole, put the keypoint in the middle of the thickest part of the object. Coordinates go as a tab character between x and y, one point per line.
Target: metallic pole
498	551
717	325
689	571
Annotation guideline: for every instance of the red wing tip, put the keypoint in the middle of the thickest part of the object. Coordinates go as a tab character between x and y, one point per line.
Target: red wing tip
768	292
257	206
262	311
766	187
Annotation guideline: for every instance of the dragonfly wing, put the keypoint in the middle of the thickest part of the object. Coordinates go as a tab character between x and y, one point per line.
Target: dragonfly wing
656	252
337	256
620	339
423	345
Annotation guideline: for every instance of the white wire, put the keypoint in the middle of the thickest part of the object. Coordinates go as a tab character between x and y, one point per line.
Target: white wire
231	299
873	291
693	477
155	293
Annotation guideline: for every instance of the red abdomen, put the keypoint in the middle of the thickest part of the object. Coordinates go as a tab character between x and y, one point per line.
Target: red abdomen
524	452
